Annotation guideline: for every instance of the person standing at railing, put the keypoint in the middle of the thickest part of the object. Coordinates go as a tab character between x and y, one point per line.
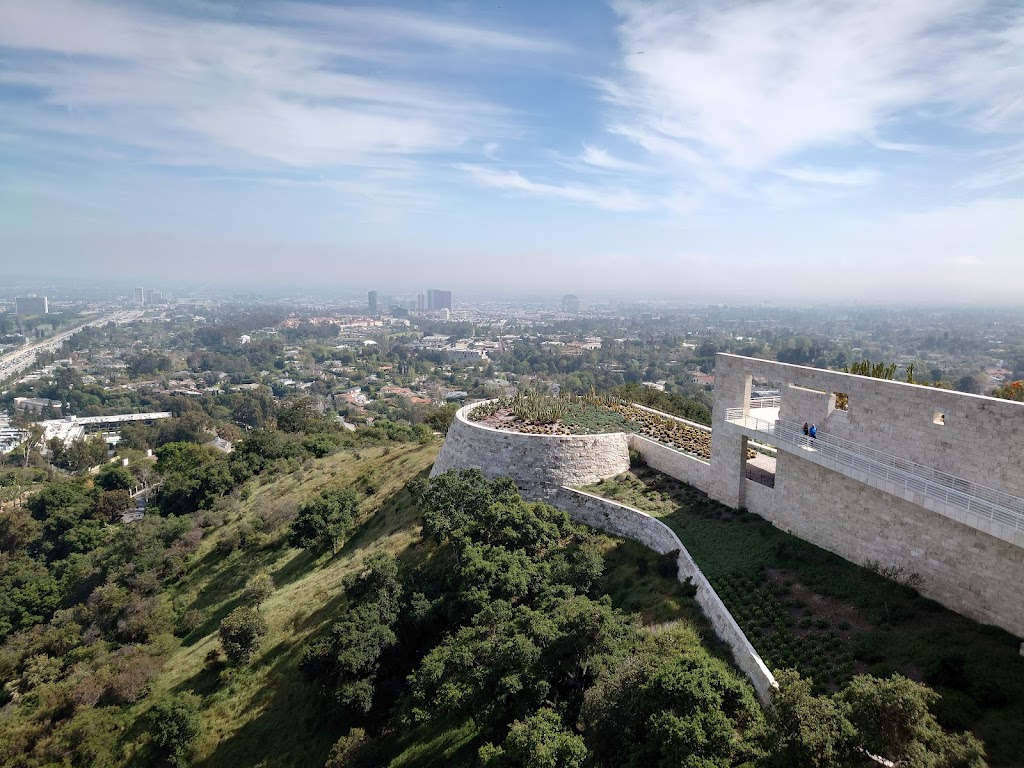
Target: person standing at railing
813	432
806	431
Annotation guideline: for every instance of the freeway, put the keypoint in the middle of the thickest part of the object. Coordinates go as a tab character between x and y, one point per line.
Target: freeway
24	357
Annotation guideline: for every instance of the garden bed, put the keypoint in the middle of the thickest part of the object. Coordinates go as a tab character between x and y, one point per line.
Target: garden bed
805	608
533	414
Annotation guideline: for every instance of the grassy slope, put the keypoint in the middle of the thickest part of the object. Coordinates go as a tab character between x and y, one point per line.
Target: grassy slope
266	715
807	608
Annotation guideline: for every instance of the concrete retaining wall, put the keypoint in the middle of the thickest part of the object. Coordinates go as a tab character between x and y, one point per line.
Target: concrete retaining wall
627	522
677	464
538	464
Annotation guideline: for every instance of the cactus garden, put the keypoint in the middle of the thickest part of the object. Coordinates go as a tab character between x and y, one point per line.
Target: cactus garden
536	414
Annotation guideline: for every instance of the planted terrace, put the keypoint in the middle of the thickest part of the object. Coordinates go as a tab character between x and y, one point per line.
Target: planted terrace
535	414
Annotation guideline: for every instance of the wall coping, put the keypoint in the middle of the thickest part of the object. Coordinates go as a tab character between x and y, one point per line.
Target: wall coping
805	371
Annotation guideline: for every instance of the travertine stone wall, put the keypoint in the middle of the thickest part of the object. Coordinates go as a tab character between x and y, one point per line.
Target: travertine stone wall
964	568
630	523
539	464
674	463
982	439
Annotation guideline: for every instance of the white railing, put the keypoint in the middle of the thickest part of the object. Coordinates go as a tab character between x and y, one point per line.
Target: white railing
910	476
766	402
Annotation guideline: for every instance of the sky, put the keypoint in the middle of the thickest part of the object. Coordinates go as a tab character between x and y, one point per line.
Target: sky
746	150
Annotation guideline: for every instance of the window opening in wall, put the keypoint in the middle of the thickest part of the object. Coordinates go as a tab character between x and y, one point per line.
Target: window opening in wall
939	418
761	466
841	401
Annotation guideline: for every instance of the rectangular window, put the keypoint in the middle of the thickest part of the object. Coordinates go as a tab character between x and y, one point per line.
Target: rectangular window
939	418
840	401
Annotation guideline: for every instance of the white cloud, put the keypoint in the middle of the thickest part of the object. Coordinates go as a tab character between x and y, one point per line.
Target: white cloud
306	92
394	24
604	160
747	85
610	200
855	177
1004	166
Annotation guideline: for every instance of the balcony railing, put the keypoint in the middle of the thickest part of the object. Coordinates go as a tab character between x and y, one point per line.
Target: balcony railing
987	503
766	402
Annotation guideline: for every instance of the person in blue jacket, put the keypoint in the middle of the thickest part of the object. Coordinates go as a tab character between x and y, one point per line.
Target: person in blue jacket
813	432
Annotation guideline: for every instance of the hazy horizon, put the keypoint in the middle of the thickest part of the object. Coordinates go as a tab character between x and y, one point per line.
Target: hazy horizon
783	151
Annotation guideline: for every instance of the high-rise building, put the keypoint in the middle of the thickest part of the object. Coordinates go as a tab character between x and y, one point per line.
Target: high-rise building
152	296
371	302
570	303
31	305
421	302
140	296
439	299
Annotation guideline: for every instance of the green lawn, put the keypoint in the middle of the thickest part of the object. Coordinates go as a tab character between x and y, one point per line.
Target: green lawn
806	608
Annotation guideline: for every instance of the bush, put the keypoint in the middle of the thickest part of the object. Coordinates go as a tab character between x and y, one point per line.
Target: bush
174	725
258	589
189	622
241	633
326	520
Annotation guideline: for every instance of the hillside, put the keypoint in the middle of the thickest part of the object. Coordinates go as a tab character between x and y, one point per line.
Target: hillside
423	623
266	715
89	701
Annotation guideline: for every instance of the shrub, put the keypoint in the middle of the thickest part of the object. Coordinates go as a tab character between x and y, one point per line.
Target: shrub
189	622
241	633
174	725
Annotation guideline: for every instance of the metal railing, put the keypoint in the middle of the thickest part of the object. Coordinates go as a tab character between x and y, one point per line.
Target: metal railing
910	476
766	402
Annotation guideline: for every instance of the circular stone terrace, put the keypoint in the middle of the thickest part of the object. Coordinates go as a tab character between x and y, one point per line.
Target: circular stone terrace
578	442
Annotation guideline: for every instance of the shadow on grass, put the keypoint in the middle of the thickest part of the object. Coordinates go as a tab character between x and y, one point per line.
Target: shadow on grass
286	728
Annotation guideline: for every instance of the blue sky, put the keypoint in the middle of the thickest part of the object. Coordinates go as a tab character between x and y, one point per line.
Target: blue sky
777	150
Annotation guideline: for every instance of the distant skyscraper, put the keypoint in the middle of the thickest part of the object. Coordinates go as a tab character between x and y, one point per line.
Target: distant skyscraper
140	296
31	305
421	302
570	303
371	301
439	299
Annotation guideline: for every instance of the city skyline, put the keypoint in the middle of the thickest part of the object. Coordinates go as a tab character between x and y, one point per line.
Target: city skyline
774	151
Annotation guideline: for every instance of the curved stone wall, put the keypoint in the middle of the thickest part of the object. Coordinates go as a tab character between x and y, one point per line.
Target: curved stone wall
539	464
628	522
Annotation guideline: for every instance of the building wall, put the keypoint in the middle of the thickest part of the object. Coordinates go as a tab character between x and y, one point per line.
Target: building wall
31	305
982	439
539	464
965	569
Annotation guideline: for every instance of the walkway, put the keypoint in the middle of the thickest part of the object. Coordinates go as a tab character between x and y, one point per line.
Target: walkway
978	506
